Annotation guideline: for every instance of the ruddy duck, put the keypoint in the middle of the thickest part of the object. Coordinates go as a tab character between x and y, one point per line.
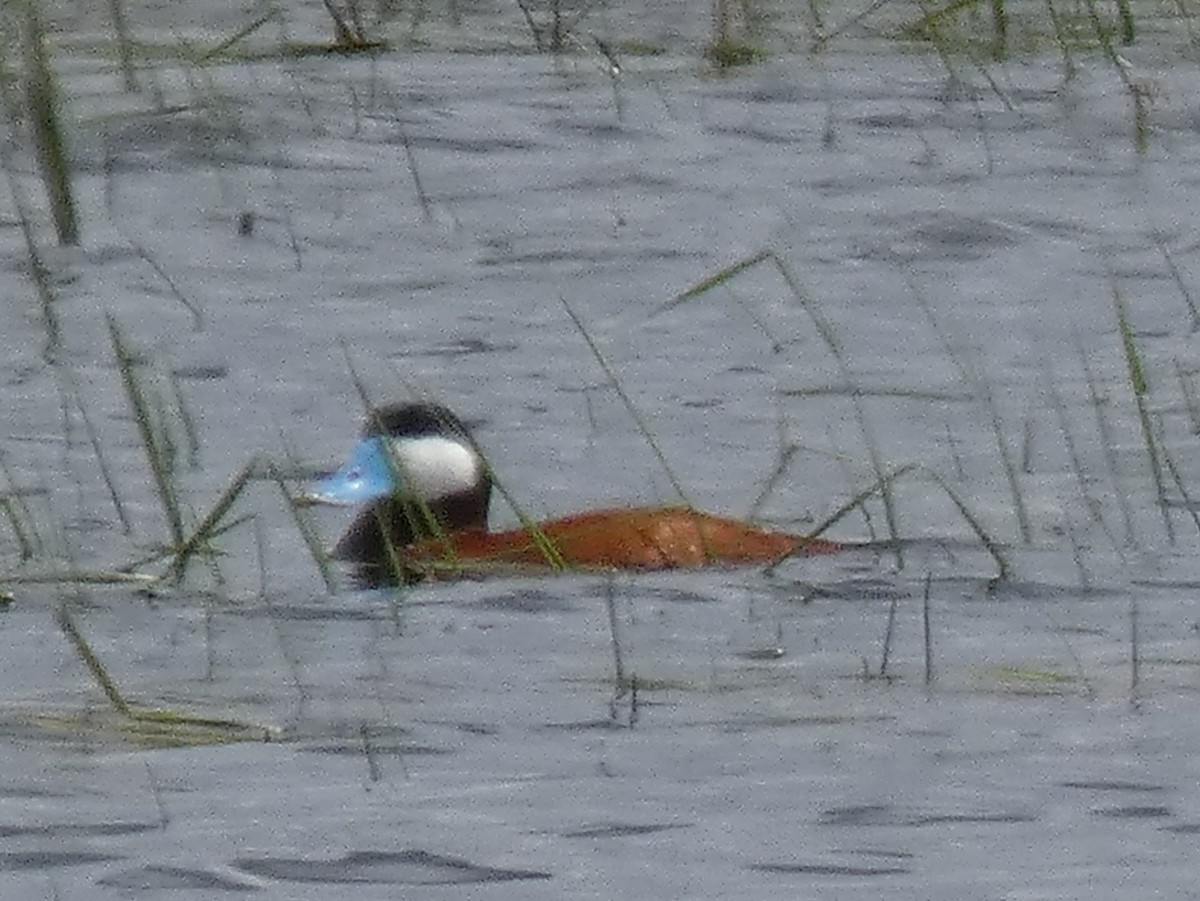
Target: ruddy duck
427	489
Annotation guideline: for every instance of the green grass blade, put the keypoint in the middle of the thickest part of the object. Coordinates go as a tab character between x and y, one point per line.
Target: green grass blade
153	439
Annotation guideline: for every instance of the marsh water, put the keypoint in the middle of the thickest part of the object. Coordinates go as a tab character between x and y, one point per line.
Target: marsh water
946	254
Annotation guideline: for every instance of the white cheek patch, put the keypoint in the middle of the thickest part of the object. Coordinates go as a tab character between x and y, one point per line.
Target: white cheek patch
433	466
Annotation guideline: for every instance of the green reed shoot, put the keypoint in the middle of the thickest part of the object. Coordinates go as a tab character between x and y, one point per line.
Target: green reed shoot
152	429
44	105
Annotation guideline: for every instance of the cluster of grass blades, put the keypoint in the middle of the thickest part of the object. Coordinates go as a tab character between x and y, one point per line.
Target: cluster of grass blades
140	725
884	477
730	45
956	25
147	726
161	451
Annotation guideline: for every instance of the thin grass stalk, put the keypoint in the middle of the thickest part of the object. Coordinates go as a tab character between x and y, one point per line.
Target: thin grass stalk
888	634
203	532
25	544
1077	556
947	52
1190	402
77	577
116	9
927	630
197	316
1061	38
190	433
260	547
370	754
821	40
831	341
39	272
281	637
545	544
713	281
23	522
1024	525
614	631
344	36
999	29
415	173
1140	387
1138	91
992	547
226	729
44	104
982	389
152	438
786	450
1135	656
782	466
238	36
630	407
534	30
1180	283
1177	477
864	510
66	621
1093	504
876	487
308	533
1107	444
101	460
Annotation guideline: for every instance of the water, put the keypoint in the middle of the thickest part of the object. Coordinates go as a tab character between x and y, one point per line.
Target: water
422	218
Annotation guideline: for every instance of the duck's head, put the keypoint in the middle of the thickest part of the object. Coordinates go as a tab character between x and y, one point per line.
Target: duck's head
419	473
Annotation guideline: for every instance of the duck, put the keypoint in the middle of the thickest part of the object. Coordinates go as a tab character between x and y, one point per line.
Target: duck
425	488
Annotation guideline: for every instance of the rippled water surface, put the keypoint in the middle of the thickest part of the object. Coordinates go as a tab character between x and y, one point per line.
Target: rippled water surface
945	252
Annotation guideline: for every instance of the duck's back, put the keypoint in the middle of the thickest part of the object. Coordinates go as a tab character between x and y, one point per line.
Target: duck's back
631	539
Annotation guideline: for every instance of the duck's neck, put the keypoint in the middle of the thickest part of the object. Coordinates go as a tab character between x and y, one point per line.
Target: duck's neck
389	525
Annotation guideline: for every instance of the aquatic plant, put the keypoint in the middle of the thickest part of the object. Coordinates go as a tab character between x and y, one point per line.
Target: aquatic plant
43	106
